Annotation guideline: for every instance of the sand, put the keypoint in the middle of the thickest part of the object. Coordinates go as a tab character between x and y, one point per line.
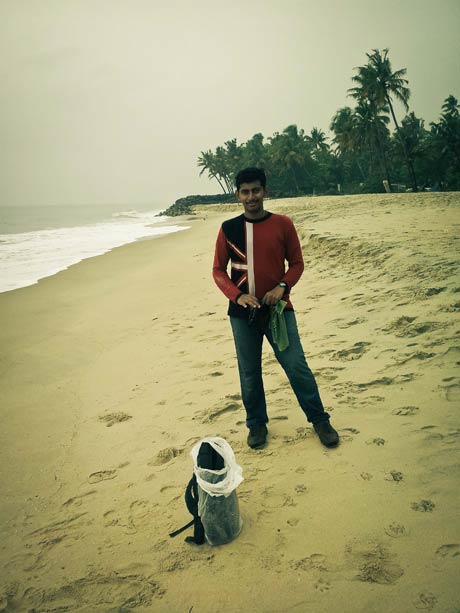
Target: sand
114	368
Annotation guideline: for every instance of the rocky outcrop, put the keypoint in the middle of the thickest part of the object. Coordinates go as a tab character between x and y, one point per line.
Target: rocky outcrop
183	206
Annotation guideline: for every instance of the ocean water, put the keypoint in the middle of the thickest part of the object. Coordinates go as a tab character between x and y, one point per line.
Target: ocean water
39	241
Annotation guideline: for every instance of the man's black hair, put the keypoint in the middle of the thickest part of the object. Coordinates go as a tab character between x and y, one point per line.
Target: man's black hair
249	175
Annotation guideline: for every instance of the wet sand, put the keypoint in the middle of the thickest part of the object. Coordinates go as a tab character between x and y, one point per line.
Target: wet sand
113	369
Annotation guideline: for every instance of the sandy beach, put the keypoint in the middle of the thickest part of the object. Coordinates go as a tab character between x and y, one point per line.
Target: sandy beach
114	368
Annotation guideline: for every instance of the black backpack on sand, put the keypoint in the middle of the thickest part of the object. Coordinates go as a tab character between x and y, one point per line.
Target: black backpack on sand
210	459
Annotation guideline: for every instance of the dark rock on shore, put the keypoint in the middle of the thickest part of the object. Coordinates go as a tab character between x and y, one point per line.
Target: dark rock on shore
183	206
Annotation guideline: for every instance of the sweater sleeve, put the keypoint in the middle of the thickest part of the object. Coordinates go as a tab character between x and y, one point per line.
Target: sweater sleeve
219	269
293	256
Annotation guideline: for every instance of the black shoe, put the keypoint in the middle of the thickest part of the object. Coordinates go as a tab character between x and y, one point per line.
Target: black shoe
257	436
327	435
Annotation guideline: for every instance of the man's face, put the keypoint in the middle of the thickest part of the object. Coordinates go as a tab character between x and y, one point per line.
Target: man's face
251	195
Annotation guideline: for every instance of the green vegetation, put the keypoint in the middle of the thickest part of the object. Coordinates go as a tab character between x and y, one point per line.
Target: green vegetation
363	152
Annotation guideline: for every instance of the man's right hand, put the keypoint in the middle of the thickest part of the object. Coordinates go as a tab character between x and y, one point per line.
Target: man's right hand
246	300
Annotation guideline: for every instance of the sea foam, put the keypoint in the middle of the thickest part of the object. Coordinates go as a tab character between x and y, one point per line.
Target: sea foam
26	257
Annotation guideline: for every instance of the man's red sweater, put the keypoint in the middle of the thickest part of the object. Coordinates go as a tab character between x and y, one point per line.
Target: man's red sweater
258	250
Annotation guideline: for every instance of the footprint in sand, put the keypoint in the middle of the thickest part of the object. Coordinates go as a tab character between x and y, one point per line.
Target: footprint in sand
419	355
102	475
409	410
421	328
404	378
132	519
376	441
328	374
426	292
347	324
399	324
301	435
346	438
46	539
424	506
117	590
301	488
375	564
210	416
454	307
394	475
165	455
366	476
351	430
322	586
114	418
355	353
425	600
449	553
448	438
451	392
316	561
405	327
395	530
233	396
277	501
376	399
452	550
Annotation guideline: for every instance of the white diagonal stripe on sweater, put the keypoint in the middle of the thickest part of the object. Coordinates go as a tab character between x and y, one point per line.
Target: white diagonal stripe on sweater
250	257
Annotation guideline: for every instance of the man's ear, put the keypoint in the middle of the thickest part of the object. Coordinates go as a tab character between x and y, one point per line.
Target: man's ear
237	194
266	192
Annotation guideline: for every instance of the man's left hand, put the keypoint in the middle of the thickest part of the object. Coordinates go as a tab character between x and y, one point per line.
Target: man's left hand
273	296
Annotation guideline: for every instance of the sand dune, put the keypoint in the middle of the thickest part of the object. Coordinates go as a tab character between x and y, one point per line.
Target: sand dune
113	369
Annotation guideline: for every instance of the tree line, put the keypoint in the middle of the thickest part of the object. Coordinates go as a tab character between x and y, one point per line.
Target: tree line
363	155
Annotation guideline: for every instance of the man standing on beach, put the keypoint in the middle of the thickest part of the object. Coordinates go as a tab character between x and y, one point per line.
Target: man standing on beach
258	243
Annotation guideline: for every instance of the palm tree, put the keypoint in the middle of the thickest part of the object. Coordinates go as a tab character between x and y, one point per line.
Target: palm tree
371	132
376	82
317	139
207	162
234	155
362	131
221	167
290	153
255	152
451	106
342	126
345	138
446	137
417	143
413	134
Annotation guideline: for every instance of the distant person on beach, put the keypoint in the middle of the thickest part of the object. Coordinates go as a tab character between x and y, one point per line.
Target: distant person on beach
258	243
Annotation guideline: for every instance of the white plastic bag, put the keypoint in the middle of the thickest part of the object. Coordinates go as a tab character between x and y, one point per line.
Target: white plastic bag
218	506
232	473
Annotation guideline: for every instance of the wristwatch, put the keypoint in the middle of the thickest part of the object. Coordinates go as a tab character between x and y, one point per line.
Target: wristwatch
283	285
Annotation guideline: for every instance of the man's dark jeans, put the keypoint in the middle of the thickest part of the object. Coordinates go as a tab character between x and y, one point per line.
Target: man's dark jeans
248	343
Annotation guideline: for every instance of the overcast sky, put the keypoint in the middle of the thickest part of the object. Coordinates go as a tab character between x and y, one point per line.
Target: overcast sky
111	101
